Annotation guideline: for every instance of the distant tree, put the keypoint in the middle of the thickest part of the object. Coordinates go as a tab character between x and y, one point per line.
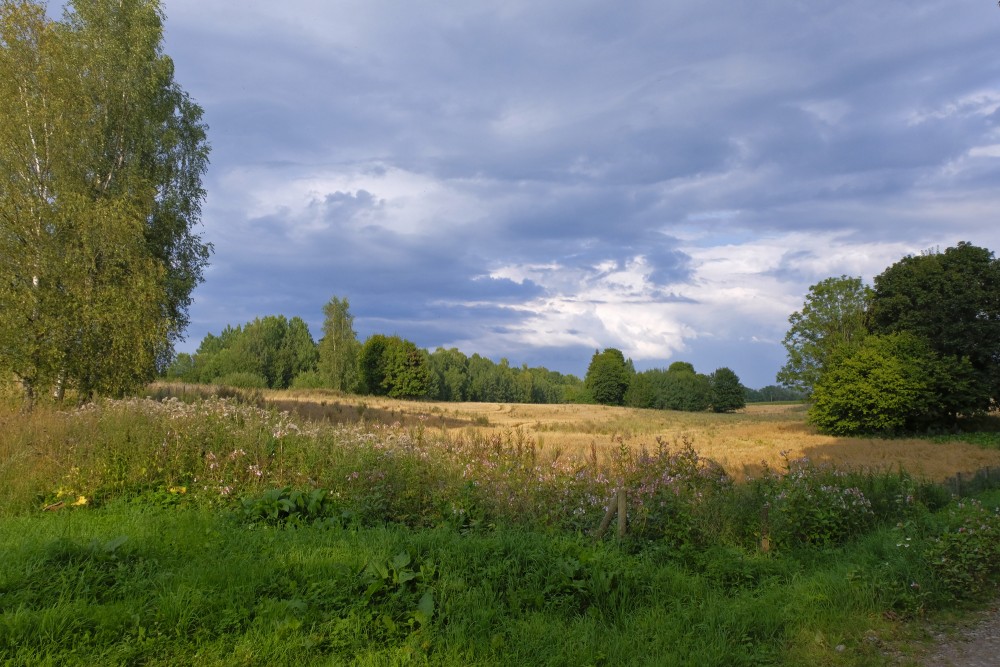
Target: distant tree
339	348
371	365
891	384
951	300
832	317
681	367
644	390
684	389
772	392
272	350
678	387
727	391
298	353
449	374
182	368
394	367
608	376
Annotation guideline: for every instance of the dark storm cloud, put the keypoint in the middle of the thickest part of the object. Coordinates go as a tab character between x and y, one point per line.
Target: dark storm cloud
625	176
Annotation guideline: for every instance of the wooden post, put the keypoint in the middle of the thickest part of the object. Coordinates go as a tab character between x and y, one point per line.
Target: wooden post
765	532
616	506
606	521
622	522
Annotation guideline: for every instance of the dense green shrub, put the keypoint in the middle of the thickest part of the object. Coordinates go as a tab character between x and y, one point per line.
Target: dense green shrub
816	506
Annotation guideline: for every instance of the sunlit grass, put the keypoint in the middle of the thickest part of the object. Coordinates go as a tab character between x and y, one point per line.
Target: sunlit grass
740	442
154	532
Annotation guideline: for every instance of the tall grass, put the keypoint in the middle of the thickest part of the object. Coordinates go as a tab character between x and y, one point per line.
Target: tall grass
165	532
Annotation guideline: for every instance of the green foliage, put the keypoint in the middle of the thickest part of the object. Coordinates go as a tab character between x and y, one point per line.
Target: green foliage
339	348
681	367
392	366
103	155
288	506
965	556
889	385
242	380
816	506
677	388
727	391
449	375
934	357
272	349
608	376
951	300
833	317
772	392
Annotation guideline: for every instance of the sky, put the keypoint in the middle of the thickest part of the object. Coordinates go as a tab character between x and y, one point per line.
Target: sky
540	180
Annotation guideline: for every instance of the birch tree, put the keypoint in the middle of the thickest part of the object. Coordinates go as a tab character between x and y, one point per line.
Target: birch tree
101	159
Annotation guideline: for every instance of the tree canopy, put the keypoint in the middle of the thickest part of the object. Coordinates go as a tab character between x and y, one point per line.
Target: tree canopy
339	348
678	387
727	391
609	376
832	316
892	384
393	366
950	299
269	352
101	159
928	355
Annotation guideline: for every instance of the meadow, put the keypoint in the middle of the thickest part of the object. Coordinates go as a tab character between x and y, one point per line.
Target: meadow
323	529
741	442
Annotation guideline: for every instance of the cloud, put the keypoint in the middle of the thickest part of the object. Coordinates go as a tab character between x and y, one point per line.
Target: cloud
538	180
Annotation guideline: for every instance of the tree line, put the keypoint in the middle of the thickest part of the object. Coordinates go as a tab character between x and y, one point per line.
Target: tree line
612	380
278	353
918	350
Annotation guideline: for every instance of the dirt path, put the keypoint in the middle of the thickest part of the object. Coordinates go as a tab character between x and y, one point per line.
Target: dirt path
976	644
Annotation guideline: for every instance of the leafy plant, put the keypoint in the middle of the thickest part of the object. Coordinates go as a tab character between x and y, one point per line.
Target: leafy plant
811	505
965	558
400	592
288	506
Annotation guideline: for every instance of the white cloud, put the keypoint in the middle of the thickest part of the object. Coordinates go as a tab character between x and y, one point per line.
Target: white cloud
982	102
992	150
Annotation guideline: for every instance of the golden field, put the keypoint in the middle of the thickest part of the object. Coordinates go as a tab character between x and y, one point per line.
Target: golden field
740	442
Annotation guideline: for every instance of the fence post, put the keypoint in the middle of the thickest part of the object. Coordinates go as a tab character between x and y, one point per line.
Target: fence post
616	506
622	522
765	531
606	521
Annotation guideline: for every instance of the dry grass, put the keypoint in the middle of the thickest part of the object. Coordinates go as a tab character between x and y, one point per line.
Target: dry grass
741	442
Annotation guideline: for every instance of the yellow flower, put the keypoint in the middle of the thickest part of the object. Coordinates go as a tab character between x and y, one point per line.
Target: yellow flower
82	500
178	489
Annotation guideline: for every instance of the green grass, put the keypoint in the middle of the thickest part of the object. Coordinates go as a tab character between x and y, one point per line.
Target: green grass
133	584
217	533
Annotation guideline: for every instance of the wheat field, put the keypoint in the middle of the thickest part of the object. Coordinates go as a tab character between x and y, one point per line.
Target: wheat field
742	442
